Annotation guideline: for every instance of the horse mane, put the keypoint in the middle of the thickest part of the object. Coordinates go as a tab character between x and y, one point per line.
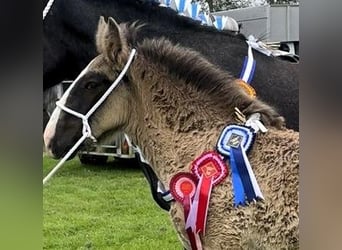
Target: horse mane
204	75
191	67
196	71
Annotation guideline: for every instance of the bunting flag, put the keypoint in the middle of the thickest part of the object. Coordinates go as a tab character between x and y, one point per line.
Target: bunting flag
218	23
168	3
165	3
202	18
205	18
182	5
210	170
183	188
193	10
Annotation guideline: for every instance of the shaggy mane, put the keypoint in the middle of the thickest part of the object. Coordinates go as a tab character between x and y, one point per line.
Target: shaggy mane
221	87
191	67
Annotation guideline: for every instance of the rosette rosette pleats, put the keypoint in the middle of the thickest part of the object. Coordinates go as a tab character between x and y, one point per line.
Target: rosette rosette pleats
183	188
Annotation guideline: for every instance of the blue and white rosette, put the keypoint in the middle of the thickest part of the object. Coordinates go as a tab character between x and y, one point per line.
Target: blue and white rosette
234	143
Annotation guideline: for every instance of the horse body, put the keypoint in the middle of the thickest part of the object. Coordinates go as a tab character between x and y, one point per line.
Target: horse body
69	46
175	109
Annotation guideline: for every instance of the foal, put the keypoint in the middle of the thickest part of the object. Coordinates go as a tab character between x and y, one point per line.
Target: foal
174	105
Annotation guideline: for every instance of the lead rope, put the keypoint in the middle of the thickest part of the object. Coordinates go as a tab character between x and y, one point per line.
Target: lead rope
86	130
47	8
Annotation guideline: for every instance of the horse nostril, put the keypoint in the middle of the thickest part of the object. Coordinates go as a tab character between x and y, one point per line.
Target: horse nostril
48	143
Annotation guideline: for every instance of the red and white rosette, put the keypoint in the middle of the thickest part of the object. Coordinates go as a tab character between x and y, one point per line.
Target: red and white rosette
210	169
183	188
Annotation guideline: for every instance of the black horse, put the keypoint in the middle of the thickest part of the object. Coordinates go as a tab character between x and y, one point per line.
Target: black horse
69	30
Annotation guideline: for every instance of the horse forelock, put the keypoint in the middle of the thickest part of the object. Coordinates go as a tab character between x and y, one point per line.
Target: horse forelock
130	31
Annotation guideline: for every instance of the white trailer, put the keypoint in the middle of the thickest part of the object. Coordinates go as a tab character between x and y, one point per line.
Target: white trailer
276	25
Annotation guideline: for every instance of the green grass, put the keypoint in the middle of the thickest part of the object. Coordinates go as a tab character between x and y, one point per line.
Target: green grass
102	207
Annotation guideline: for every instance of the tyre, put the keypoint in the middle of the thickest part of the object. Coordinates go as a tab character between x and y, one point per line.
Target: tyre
93	159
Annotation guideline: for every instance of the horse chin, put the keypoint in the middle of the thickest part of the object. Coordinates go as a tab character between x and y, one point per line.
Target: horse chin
60	154
58	150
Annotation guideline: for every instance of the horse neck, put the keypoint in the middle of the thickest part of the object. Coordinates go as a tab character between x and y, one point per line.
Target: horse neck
173	123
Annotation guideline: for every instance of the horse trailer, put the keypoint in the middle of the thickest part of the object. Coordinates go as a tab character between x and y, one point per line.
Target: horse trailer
119	147
276	25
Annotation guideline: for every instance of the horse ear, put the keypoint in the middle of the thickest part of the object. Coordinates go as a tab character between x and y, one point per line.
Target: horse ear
101	26
116	47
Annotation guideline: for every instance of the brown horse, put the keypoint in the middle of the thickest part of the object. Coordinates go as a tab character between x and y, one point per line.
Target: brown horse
174	104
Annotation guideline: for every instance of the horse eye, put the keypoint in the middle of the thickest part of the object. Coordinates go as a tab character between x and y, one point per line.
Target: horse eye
91	85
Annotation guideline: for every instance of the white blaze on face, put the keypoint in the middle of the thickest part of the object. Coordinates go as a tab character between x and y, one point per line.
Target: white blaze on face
50	128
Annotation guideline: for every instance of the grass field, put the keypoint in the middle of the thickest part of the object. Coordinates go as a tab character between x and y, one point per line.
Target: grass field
102	207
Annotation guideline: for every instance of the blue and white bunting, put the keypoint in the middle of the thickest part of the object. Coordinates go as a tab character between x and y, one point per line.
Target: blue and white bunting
193	10
165	3
182	5
168	3
218	23
205	18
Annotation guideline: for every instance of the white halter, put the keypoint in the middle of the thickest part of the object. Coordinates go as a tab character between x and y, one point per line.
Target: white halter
86	130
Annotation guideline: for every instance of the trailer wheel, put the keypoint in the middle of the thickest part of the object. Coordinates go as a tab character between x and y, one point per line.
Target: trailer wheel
93	159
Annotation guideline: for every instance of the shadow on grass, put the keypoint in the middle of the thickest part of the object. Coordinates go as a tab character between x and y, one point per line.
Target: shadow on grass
112	165
75	167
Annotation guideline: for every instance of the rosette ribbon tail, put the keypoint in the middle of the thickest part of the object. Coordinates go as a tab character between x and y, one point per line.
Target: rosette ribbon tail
205	186
187	207
190	225
251	187
239	192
